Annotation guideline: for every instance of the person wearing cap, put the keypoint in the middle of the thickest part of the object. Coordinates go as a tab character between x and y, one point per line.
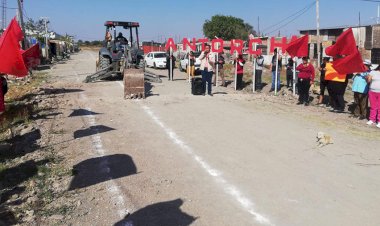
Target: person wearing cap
305	80
360	89
322	82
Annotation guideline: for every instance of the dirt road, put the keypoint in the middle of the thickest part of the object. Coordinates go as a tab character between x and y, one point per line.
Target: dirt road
230	159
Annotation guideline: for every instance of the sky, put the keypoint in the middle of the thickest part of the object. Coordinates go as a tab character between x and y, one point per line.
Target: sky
160	19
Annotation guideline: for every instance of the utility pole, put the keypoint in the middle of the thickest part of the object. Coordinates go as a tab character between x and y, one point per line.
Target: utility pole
378	9
258	26
20	11
45	19
4	14
318	36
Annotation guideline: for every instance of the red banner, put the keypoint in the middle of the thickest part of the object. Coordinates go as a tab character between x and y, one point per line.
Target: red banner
345	45
298	47
11	61
32	56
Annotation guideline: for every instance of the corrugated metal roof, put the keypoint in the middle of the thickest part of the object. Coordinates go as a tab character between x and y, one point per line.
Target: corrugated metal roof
339	27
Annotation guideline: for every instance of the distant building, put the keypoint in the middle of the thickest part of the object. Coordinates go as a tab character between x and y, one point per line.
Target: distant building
367	39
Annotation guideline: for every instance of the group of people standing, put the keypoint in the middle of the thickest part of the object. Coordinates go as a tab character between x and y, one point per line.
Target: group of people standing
208	67
366	85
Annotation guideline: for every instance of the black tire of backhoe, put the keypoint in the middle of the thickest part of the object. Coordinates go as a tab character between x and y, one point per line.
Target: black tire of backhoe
104	62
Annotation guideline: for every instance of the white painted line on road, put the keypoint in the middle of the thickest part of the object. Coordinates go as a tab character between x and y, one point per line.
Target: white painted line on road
114	190
228	188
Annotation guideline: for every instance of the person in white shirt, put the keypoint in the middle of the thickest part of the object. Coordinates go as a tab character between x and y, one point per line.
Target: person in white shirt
374	96
207	68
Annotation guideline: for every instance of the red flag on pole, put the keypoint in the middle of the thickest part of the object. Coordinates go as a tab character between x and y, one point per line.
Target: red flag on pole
350	64
11	60
298	47
345	44
31	56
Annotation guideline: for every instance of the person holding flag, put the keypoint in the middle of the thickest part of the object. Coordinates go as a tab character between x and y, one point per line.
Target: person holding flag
305	80
297	48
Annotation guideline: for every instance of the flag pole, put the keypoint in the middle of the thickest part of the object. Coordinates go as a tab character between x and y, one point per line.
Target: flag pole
276	77
217	67
217	64
254	71
294	76
236	62
171	64
189	65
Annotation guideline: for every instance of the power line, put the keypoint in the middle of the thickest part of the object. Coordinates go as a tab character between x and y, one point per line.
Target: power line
305	10
4	7
307	7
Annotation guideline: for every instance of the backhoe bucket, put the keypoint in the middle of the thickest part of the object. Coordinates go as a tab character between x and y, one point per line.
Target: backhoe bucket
134	86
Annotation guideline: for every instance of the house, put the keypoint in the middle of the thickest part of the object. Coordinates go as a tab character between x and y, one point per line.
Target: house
367	39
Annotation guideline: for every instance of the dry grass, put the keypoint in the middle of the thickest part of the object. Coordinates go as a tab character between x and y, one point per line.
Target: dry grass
19	89
17	110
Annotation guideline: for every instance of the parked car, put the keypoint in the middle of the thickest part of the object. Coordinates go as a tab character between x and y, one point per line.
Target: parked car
155	60
185	60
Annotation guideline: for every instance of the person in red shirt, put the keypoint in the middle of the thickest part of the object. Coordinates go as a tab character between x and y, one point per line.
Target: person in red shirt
240	71
305	80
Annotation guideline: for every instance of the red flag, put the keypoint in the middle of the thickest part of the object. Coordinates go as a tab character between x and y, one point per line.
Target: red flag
32	56
345	44
298	47
11	60
350	64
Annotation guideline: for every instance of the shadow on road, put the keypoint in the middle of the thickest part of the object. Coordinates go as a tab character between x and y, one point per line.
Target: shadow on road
163	213
148	90
20	145
14	176
61	91
101	169
82	112
91	131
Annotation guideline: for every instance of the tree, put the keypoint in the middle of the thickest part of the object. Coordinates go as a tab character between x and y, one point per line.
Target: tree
35	27
227	28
